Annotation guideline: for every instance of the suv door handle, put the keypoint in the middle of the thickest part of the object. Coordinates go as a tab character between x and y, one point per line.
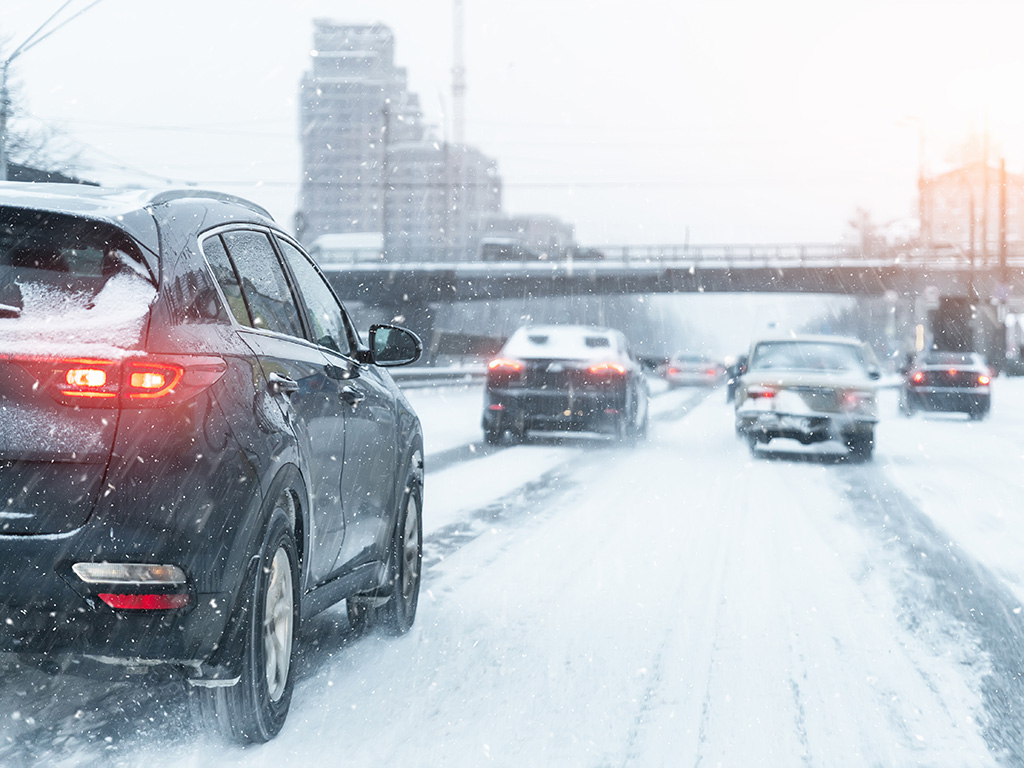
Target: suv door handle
351	395
279	384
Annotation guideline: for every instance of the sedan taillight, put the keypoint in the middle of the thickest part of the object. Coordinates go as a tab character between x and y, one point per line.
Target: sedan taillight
759	392
854	400
608	368
503	371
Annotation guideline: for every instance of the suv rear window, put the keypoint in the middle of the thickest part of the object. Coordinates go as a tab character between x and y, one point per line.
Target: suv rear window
65	279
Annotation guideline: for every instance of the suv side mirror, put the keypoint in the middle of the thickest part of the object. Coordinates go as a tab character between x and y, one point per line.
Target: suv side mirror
391	345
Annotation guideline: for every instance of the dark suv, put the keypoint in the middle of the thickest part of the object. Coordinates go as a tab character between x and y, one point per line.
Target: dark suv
196	450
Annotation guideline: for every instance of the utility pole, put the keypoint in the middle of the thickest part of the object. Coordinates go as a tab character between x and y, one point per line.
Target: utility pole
973	292
28	43
458	76
385	223
1004	276
984	196
446	221
455	219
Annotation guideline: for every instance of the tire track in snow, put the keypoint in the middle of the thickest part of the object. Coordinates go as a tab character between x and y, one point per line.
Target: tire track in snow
943	580
531	500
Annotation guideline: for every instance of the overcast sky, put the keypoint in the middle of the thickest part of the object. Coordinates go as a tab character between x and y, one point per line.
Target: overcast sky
639	122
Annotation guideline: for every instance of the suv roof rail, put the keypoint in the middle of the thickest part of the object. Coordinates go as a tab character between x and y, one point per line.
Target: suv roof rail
184	194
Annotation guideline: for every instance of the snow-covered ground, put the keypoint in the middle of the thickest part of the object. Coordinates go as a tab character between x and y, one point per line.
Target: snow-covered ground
675	603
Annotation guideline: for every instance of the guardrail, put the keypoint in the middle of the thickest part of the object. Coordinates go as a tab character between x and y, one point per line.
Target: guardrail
427	376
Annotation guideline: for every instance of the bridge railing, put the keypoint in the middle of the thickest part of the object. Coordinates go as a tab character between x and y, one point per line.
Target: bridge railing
773	255
800	253
803	254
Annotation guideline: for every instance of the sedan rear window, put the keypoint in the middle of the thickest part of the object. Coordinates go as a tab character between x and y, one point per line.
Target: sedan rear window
806	356
951	358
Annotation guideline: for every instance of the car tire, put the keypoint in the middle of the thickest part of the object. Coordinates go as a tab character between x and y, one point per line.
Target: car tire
640	435
405	564
254	709
752	442
396	613
622	428
861	446
906	409
492	436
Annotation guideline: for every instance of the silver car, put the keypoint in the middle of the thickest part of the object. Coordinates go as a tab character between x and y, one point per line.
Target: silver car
810	389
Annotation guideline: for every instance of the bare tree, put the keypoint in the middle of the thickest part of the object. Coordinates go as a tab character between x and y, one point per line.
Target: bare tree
29	142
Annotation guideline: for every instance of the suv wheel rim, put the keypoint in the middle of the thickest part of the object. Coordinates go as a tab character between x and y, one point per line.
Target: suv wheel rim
411	548
277	625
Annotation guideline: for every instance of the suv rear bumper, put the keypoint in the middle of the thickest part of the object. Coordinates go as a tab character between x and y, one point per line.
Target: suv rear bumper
49	610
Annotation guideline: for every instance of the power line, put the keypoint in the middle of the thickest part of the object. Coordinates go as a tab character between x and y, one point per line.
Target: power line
225	129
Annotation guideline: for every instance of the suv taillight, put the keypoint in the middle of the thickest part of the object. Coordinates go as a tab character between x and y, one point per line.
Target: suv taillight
135	382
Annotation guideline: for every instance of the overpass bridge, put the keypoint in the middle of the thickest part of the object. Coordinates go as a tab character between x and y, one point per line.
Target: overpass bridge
807	269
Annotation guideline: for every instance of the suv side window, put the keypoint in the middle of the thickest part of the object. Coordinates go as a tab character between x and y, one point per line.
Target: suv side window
264	286
227	278
325	313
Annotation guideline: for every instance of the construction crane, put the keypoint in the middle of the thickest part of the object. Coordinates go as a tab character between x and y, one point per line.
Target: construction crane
458	77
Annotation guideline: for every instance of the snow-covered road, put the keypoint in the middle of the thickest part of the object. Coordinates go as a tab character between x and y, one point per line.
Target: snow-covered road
675	603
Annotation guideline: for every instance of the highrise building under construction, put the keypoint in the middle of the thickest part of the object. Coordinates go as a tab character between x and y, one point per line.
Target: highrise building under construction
369	164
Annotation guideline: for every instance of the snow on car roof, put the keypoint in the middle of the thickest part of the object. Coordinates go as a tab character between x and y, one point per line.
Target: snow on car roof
569	342
819	338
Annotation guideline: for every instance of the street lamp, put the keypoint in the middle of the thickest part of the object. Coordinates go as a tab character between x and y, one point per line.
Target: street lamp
30	42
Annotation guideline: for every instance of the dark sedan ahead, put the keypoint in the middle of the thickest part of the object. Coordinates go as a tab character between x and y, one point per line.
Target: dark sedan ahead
565	377
947	381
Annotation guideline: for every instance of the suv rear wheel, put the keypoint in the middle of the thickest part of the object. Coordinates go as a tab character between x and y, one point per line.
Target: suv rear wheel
396	614
254	709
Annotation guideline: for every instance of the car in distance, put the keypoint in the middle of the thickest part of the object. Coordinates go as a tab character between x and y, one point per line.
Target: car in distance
565	377
947	381
733	373
198	450
810	389
688	369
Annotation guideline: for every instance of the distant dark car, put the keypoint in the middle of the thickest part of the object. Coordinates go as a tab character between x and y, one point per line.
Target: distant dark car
947	381
565	377
732	377
693	370
197	448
